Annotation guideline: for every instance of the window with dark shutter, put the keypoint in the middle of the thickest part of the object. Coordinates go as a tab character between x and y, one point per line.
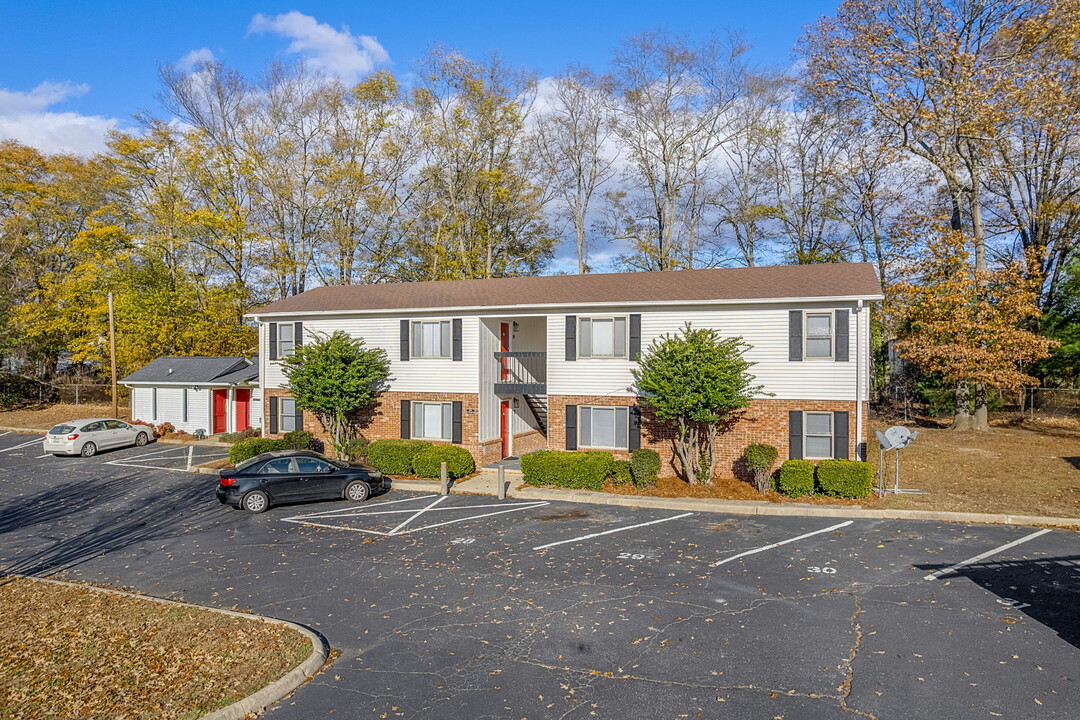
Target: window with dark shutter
795	318
840	435
273	341
273	416
571	427
571	337
842	332
404	341
795	436
456	342
635	336
406	411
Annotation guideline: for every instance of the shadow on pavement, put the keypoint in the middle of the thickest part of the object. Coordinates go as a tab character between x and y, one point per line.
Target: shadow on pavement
1046	590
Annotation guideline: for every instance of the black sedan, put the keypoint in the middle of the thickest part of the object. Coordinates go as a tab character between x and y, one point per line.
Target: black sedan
286	476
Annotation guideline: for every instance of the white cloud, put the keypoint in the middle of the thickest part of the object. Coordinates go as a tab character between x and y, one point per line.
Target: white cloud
198	57
24	116
338	52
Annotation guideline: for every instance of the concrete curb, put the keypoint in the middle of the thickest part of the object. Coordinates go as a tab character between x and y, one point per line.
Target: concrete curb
28	431
752	507
261	699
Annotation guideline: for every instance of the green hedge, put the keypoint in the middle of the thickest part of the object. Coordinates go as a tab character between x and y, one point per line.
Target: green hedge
249	448
845	478
298	440
645	465
623	473
587	470
356	449
459	462
394	457
796	478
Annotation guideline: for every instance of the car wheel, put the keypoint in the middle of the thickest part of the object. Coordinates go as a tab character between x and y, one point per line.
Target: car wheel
255	501
88	450
141	439
357	491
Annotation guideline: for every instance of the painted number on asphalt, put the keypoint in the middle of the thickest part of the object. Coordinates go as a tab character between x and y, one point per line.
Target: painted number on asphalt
1009	602
821	570
637	556
463	541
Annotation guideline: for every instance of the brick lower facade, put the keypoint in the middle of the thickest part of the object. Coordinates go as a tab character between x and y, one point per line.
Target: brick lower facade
766	420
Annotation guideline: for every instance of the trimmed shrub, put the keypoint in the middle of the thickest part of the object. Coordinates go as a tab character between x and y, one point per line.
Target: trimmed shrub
394	457
238	436
251	447
356	449
759	459
164	429
796	478
645	465
585	469
298	440
845	478
459	462
623	474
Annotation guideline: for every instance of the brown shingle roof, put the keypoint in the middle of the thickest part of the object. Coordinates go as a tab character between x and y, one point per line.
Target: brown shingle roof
758	283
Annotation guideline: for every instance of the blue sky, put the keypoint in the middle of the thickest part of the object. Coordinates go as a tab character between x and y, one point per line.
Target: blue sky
70	69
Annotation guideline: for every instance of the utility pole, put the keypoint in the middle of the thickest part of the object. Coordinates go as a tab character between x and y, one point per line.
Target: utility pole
112	357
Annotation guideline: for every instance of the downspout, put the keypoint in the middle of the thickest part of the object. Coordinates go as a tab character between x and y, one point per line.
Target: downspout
859	453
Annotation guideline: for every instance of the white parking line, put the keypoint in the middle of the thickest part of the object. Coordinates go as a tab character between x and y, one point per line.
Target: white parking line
419	512
38	457
782	542
608	532
26	444
938	573
2	434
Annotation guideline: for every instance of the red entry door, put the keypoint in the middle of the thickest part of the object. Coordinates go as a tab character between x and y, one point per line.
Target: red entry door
504	346
242	403
504	426
221	413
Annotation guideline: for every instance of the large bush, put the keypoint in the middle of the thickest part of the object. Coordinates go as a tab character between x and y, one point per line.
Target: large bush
356	449
845	478
238	436
459	462
587	469
298	440
395	457
623	474
251	447
759	459
645	465
796	478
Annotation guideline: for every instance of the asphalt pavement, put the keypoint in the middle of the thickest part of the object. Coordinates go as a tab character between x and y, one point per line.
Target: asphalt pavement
470	607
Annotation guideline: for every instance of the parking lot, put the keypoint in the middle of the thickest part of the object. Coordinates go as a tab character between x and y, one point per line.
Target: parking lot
467	606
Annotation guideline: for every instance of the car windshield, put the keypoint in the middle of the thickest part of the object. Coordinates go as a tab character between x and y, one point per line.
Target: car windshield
62	430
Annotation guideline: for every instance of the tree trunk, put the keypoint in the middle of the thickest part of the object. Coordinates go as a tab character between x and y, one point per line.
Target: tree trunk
980	420
962	418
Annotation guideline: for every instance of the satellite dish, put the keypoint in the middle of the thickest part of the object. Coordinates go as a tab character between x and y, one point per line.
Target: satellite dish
897	437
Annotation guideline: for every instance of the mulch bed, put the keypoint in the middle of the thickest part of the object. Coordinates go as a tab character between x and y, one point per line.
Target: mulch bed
74	652
724	489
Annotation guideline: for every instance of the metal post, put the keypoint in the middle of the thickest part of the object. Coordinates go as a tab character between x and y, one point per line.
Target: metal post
896	476
502	483
881	471
444	483
112	357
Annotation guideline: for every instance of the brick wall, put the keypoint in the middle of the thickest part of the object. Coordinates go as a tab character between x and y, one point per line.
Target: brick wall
765	421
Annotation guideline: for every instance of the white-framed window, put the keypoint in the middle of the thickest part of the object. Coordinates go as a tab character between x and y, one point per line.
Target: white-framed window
602	337
287	414
818	343
603	427
432	421
817	435
286	339
430	339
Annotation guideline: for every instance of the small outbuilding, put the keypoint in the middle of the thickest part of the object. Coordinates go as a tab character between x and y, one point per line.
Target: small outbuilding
213	394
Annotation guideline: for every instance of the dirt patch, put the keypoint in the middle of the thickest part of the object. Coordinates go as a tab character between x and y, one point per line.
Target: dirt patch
44	417
217	464
722	527
77	652
566	515
724	489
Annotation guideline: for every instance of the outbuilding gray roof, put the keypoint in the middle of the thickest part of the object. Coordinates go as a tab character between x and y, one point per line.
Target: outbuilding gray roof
196	370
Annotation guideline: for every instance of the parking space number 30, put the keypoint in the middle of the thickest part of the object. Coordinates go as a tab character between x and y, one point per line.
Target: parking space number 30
821	570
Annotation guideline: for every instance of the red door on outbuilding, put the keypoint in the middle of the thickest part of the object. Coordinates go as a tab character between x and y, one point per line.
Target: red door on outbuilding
221	412
242	403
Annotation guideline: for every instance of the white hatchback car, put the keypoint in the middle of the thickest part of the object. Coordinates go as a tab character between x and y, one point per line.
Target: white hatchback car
85	437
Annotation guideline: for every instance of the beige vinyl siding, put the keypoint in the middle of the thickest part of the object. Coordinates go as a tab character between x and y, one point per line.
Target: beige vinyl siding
170	406
764	327
415	375
141	404
489	401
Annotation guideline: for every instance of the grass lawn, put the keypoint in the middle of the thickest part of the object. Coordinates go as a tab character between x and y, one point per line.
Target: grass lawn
1028	470
44	417
75	652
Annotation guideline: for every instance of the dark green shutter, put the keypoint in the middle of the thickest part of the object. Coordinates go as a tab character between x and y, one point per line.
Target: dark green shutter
298	417
404	340
406	410
635	336
273	416
571	337
795	434
635	428
298	334
840	435
571	427
455	432
455	334
273	341
795	335
842	336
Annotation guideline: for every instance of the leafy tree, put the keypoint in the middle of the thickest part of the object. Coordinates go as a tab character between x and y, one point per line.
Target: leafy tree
337	379
699	382
969	326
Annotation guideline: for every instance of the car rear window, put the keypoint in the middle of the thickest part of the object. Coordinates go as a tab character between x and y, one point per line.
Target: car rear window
62	430
244	464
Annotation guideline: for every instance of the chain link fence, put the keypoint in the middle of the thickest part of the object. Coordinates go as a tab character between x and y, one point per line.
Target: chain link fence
16	392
